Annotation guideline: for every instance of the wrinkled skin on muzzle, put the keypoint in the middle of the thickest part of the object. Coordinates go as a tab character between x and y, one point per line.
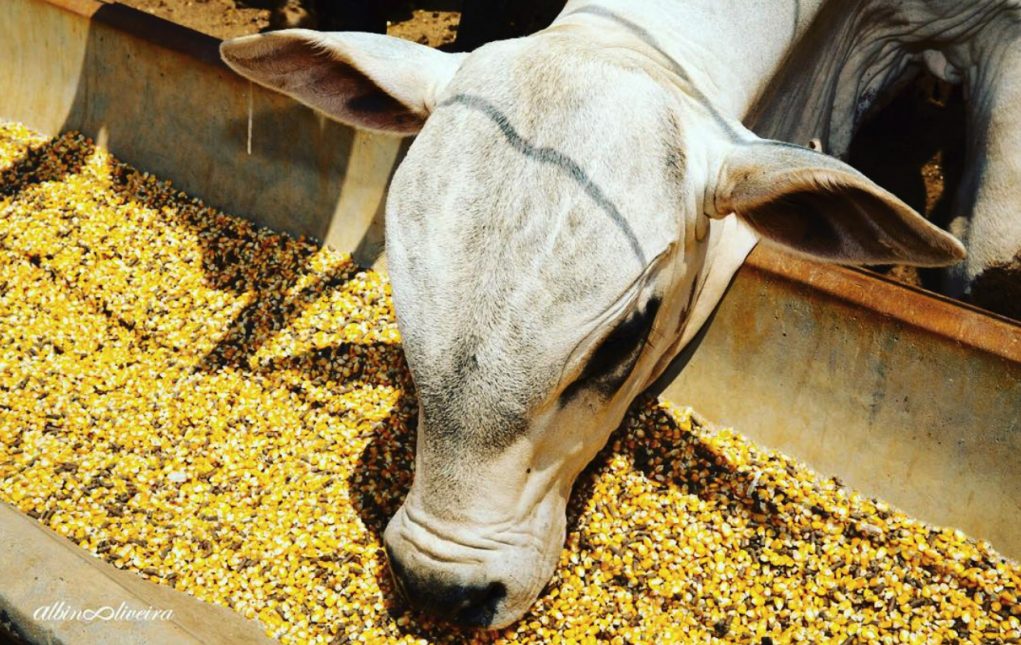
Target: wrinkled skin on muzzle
478	553
570	213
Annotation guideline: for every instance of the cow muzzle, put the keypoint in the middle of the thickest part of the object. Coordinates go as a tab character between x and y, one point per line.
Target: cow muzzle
466	575
451	596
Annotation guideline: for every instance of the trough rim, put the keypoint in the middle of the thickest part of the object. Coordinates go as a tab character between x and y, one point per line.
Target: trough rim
927	311
146	26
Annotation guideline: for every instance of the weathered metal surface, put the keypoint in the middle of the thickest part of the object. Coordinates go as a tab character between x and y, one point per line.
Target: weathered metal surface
44	579
156	94
901	394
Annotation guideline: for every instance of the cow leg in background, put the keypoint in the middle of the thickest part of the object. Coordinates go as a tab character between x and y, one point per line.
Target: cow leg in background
988	207
914	146
483	21
293	14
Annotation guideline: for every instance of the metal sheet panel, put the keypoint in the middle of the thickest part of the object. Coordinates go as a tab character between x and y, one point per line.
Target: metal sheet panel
902	394
157	95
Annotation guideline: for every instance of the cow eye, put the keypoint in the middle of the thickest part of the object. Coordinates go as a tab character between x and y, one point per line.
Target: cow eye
609	366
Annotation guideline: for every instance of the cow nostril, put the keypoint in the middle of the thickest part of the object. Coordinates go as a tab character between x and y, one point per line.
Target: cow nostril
479	605
468	606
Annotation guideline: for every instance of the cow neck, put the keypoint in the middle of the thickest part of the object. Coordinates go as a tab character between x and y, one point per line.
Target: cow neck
727	56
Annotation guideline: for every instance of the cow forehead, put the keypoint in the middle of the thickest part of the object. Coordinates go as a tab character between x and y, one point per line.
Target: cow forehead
534	197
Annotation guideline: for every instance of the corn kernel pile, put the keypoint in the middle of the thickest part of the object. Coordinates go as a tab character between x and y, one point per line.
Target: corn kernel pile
225	410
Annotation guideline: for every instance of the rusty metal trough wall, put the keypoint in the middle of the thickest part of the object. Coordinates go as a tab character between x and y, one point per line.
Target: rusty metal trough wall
902	395
157	95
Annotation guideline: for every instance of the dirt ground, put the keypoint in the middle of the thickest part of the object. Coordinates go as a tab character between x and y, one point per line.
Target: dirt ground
220	18
417	21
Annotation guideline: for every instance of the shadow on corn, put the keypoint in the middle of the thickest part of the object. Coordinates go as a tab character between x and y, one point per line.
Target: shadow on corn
264	265
235	257
52	161
383	477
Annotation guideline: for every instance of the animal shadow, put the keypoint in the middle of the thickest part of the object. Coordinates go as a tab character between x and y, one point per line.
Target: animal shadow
384	473
53	160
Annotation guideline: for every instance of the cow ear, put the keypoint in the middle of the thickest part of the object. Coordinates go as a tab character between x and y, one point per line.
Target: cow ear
818	206
368	81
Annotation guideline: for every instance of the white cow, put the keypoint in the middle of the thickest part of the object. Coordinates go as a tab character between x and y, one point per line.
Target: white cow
570	213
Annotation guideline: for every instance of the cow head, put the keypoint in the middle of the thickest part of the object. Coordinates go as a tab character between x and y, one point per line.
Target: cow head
548	235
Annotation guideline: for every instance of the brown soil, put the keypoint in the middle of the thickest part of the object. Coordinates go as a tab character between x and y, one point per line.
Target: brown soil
220	18
227	19
433	28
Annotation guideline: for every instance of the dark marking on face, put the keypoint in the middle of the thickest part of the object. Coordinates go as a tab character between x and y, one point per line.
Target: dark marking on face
460	424
610	365
464	361
553	157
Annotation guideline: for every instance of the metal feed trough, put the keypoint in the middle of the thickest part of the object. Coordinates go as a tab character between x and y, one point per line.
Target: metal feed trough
902	394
